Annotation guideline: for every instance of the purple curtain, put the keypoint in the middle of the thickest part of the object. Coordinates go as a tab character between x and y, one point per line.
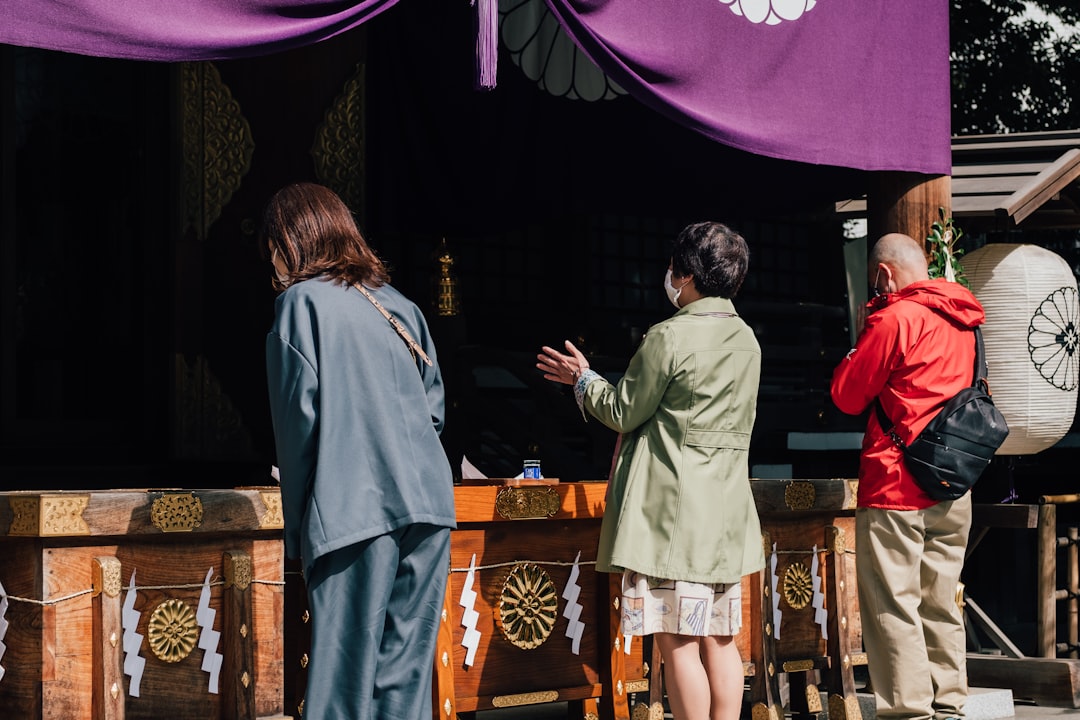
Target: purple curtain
176	30
854	83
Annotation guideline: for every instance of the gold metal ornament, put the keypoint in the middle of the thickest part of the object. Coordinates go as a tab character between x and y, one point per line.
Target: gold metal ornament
528	606
274	517
791	666
48	515
798	585
176	512
339	150
532	698
172	630
800	495
519	503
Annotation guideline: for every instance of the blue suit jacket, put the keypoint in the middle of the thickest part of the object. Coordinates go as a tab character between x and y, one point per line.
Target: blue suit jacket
356	418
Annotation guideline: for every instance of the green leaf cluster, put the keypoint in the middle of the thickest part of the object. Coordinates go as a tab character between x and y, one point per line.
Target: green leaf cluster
942	248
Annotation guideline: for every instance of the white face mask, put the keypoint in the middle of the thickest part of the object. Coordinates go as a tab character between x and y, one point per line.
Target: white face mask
672	291
283	278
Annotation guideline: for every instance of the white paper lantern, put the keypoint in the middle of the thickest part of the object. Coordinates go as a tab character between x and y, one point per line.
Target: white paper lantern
1032	320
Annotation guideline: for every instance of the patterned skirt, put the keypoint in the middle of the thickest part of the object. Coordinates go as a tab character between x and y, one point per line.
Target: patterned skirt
650	605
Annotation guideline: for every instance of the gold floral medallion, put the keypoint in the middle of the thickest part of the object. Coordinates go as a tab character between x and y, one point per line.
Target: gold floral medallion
528	606
172	630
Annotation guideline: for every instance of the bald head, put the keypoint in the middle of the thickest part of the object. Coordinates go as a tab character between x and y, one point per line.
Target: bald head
898	259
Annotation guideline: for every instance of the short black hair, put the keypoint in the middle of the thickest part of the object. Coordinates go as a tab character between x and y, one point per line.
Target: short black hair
715	255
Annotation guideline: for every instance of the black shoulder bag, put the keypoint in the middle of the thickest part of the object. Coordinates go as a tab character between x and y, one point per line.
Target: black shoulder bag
949	456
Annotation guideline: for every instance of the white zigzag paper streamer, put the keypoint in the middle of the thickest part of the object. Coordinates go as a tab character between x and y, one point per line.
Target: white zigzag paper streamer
775	595
572	611
129	621
209	637
3	625
471	640
821	616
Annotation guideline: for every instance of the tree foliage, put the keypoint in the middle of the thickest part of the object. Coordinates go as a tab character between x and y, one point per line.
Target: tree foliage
1015	65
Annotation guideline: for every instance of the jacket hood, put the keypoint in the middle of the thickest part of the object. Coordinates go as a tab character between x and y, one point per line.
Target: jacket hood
951	299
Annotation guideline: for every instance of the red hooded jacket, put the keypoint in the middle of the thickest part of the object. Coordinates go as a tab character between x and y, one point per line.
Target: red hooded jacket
914	353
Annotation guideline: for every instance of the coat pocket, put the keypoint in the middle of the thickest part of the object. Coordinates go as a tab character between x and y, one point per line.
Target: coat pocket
718	439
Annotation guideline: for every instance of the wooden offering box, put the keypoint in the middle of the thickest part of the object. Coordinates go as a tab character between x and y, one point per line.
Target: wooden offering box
516	547
187	579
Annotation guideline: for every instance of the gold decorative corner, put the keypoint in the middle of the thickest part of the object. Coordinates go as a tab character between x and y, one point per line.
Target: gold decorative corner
813	698
217	145
172	630
851	502
520	503
530	698
798	585
800	495
237	570
273	518
836	539
844	708
176	512
48	515
106	577
339	148
528	606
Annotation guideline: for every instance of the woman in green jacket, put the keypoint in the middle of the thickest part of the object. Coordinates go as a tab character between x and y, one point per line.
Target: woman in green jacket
680	523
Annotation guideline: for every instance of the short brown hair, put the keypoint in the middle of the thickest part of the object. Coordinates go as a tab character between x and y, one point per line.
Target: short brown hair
316	234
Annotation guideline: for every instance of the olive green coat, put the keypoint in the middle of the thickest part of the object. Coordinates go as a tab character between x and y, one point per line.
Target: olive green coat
679	502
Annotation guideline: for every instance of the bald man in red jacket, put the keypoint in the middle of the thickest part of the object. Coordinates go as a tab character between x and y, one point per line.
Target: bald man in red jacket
915	351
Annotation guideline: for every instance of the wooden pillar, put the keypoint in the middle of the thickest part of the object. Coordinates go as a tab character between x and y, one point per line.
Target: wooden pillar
108	698
843	698
614	704
238	652
443	700
1046	608
765	702
906	202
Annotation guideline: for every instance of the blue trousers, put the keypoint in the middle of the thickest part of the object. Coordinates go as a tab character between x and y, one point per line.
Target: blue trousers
375	612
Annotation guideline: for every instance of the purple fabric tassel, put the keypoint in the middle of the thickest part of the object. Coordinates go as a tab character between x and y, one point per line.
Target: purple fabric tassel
487	43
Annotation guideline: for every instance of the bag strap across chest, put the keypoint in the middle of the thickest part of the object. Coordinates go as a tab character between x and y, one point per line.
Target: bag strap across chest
978	379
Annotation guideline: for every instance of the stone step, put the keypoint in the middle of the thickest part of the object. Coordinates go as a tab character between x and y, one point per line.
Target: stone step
982	704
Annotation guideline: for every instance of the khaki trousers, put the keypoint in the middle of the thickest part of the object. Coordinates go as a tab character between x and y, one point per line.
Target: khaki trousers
908	565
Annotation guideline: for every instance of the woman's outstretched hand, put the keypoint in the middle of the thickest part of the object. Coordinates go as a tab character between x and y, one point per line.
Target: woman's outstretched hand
560	367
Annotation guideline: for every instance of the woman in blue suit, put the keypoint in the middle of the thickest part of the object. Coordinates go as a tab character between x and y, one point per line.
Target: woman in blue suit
357	403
